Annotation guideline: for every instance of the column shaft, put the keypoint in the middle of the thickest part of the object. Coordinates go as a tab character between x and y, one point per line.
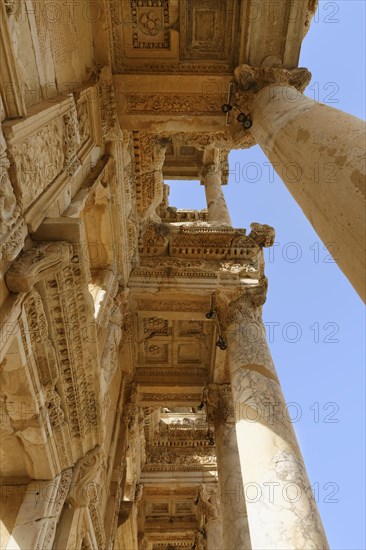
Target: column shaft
216	204
235	526
318	152
214	535
282	512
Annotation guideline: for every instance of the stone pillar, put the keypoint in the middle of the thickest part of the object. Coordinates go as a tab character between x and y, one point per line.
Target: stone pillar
318	152
35	526
210	509
214	540
235	527
281	508
216	204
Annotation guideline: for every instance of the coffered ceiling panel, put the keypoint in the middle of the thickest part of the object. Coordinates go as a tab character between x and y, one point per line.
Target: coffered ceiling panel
207	29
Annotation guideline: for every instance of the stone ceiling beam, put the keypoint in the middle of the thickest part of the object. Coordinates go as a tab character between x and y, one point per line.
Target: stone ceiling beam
179	103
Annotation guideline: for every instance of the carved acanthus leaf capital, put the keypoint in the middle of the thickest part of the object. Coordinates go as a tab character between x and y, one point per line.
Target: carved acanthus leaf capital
234	306
221	402
251	80
210	168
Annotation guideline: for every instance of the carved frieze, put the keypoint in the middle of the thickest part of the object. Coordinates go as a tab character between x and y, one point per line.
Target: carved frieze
171	104
177	456
45	145
210	243
41	148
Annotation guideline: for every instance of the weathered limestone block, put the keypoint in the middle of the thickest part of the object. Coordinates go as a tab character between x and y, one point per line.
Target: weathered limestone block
39	513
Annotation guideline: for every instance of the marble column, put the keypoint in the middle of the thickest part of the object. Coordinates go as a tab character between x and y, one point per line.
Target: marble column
39	514
318	152
214	539
235	528
282	512
216	204
210	507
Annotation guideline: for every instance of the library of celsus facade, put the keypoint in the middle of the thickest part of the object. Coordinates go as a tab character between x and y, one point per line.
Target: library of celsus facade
140	407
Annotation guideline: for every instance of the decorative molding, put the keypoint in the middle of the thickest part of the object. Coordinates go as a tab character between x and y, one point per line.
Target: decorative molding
60	276
171	104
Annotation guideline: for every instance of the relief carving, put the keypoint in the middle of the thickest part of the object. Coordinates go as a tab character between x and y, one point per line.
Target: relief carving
12	226
108	104
83	120
171	104
30	177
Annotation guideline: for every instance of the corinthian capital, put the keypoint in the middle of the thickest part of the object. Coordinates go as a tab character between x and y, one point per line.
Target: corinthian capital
234	306
210	168
221	401
253	79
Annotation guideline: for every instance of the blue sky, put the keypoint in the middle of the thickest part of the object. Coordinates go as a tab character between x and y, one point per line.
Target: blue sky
317	319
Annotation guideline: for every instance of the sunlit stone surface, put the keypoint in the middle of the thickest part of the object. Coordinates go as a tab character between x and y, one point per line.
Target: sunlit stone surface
123	424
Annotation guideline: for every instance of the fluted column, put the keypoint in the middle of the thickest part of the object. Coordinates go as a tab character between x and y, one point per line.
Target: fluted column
318	152
211	179
235	527
281	508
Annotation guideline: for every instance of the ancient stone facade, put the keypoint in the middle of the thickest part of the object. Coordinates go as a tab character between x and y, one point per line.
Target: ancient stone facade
132	352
